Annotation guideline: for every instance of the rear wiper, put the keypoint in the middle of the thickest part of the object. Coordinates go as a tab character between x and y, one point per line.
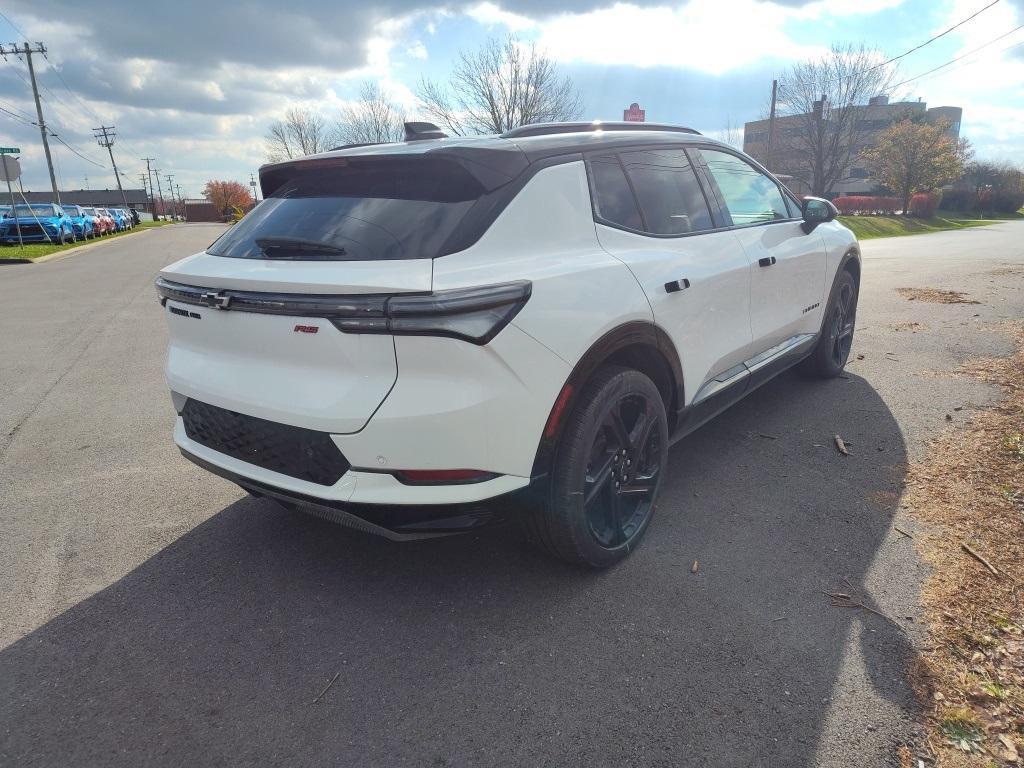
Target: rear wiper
295	244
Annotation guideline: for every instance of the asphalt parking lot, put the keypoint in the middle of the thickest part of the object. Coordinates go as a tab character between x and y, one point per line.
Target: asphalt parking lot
155	615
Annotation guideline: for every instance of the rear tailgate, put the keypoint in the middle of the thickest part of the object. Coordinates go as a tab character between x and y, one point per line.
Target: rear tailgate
291	369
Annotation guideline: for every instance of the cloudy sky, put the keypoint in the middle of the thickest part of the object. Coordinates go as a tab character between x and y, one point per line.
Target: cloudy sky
195	84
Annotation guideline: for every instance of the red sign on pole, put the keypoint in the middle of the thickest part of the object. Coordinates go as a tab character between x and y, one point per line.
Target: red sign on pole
634	114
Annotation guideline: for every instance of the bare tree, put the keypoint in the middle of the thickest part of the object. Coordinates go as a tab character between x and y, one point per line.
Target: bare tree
302	132
504	84
732	134
374	119
821	102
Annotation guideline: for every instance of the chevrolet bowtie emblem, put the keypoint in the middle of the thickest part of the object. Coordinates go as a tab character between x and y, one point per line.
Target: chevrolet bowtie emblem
218	299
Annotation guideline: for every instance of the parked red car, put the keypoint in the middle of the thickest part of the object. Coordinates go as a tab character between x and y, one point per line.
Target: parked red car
104	224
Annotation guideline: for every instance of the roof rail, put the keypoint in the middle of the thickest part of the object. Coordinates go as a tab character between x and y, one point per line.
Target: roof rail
353	146
545	129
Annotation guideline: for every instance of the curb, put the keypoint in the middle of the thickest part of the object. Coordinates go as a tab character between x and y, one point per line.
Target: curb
86	247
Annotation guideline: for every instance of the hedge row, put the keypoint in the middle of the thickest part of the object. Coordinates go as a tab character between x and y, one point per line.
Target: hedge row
965	200
870	204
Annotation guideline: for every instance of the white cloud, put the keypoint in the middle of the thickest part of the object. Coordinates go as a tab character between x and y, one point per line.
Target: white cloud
704	35
417	51
491	15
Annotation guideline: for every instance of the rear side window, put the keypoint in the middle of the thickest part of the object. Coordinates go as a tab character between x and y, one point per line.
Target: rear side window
670	198
612	196
750	196
355	209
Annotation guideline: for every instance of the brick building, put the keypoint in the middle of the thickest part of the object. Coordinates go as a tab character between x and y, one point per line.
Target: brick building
874	117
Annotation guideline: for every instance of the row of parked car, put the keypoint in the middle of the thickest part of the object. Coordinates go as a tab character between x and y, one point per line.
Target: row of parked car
49	222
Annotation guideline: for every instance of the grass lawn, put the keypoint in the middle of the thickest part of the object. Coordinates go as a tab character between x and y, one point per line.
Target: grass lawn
976	216
870	227
36	250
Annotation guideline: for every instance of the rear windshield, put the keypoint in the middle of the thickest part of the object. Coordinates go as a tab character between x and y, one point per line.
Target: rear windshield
354	209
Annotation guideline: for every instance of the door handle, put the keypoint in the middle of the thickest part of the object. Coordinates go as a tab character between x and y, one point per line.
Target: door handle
767	261
677	285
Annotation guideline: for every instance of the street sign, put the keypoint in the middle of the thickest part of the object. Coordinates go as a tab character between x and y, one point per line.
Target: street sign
10	168
10	151
634	114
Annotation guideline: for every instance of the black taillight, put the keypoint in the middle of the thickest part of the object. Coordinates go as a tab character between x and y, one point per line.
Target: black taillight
471	314
475	315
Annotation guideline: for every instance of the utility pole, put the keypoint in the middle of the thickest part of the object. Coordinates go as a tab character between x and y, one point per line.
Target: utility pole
170	188
160	191
771	127
255	188
86	182
149	174
181	199
15	50
105	138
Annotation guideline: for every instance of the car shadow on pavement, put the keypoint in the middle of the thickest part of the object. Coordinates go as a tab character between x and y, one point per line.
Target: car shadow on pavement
268	637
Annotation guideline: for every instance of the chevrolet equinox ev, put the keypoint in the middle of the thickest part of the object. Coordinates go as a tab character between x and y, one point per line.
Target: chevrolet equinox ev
413	339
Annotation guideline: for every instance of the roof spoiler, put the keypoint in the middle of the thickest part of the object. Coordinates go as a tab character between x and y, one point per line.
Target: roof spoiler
422	131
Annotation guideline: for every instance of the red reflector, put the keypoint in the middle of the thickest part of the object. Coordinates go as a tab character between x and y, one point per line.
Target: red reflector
557	411
425	476
307	328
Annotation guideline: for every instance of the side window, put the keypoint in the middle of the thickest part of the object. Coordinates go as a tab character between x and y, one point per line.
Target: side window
612	196
670	197
795	211
750	196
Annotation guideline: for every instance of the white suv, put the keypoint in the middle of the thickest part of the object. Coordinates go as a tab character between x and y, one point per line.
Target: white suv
405	338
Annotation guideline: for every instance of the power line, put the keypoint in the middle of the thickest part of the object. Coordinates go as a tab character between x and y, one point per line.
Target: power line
14	26
16	116
976	61
958	58
929	41
87	159
933	39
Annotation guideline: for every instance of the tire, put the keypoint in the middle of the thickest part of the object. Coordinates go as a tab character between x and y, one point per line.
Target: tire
829	356
596	509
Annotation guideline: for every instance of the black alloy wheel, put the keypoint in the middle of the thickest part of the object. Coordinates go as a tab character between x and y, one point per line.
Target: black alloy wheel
607	472
831	352
623	471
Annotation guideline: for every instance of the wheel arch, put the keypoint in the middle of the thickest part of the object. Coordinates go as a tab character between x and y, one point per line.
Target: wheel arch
850	263
640	345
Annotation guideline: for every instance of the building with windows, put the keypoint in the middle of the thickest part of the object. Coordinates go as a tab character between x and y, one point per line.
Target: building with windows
878	114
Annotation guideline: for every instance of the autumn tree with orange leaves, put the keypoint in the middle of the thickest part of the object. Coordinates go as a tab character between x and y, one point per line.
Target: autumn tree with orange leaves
228	195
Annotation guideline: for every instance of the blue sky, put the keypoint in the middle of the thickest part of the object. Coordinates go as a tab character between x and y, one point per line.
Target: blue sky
196	85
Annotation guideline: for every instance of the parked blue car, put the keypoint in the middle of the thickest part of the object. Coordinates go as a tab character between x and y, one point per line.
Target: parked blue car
40	222
120	219
83	224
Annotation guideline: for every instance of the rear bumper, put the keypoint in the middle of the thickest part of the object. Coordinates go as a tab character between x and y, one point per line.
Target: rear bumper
355	486
397	523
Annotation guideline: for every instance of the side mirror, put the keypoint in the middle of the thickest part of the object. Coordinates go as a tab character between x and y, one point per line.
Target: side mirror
817	210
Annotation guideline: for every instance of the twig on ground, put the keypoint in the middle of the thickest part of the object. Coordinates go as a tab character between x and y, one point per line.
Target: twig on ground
841	446
767	436
966	548
905	533
844	600
336	676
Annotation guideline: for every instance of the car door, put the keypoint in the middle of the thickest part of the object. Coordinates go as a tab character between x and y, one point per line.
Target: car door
788	272
653	215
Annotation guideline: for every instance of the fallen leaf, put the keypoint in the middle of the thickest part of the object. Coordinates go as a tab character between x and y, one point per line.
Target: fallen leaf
841	446
693	568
